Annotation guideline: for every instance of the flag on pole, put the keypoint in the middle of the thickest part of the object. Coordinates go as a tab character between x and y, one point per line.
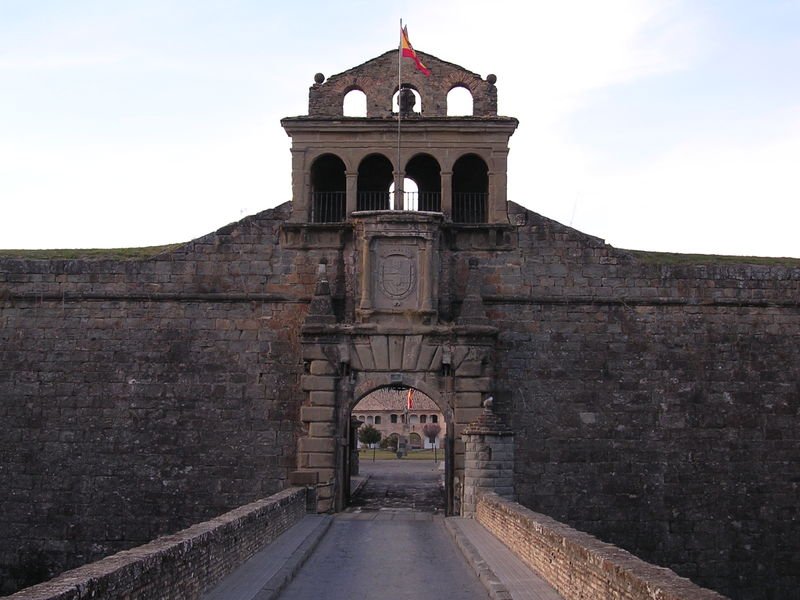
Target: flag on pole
408	51
410	399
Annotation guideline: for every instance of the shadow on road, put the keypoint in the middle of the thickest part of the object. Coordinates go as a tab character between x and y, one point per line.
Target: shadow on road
413	484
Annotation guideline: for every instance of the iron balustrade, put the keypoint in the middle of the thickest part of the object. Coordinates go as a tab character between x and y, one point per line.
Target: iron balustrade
373	200
327	207
425	201
470	207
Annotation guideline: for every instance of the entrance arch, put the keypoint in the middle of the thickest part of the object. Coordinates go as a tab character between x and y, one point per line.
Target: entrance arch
364	383
389	340
412	475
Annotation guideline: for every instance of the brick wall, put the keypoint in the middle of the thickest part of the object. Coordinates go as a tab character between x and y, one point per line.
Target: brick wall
576	564
183	565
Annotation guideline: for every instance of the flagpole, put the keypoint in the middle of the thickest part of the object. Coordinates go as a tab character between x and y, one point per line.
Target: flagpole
397	186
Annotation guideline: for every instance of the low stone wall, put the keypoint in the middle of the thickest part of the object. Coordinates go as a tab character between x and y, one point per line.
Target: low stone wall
183	565
578	565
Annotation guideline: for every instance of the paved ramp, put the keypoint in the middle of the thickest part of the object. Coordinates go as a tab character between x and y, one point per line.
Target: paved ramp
393	542
388	553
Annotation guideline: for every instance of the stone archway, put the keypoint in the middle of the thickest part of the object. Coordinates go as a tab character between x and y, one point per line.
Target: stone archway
393	339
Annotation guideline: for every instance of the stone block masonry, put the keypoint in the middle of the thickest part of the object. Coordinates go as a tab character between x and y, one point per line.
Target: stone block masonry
655	402
576	564
140	396
180	566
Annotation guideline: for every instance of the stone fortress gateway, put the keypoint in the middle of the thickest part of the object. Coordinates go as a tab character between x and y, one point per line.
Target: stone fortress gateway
654	398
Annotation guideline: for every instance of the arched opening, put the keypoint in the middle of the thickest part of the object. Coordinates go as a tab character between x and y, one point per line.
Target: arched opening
354	104
374	179
459	102
328	185
409	195
416	109
470	189
425	171
404	467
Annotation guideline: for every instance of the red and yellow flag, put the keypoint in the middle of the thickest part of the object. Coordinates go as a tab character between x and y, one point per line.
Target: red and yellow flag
408	51
410	399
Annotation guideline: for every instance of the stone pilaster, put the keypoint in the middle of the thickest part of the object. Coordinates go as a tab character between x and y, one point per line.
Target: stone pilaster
473	311
488	459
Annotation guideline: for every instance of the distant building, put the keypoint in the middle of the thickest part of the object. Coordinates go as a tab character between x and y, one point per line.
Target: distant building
385	409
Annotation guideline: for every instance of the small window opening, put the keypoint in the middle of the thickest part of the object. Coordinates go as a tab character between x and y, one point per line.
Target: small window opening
459	102
354	104
417	108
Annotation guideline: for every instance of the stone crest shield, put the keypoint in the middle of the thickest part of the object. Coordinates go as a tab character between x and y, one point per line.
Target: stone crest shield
397	275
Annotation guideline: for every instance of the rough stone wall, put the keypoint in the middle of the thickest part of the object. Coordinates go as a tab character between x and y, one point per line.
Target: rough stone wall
326	99
180	566
576	564
655	406
138	397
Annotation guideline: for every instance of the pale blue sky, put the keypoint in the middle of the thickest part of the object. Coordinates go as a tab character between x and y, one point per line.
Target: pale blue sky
654	124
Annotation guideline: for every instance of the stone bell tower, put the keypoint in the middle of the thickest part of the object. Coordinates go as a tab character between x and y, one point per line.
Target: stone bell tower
397	320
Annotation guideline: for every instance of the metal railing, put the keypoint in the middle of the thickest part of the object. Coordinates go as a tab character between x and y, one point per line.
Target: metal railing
373	200
470	207
426	201
327	207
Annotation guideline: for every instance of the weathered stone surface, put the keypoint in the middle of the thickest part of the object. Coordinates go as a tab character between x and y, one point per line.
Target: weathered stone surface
317	414
311	444
322	398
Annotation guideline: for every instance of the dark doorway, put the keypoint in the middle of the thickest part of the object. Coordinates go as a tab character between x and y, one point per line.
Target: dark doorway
470	189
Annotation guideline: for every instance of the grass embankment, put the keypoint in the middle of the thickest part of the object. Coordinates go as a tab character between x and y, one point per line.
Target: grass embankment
89	253
366	454
672	258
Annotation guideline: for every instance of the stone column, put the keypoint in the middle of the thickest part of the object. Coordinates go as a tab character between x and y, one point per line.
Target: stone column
351	193
447	194
488	459
301	210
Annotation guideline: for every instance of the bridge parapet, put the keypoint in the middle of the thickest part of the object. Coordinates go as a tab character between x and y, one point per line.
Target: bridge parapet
183	565
577	564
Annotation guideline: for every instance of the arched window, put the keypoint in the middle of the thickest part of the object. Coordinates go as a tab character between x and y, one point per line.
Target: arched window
470	189
413	419
374	179
393	418
434	418
361	417
459	102
416	441
409	195
417	109
424	170
377	419
423	419
354	104
328	184
370	420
